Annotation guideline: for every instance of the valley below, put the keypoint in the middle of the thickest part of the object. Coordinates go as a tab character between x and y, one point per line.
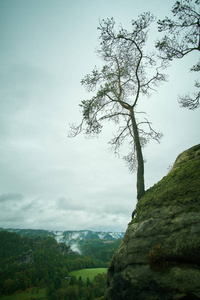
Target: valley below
50	265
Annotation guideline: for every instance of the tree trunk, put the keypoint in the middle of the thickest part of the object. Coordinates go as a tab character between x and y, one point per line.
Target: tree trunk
140	160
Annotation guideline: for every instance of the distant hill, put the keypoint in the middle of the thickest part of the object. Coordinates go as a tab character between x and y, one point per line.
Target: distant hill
76	239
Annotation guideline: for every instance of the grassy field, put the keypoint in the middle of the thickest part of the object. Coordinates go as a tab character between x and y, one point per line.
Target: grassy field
40	293
32	293
90	273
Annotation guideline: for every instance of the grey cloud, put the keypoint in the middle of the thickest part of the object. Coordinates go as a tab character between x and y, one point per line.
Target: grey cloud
121	208
19	83
64	203
114	201
25	75
12	217
39	213
11	197
21	88
32	206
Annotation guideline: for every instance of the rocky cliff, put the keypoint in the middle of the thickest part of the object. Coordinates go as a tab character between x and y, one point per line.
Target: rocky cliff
26	258
159	257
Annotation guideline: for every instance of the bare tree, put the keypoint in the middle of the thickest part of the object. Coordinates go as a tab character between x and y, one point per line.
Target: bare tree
118	86
182	38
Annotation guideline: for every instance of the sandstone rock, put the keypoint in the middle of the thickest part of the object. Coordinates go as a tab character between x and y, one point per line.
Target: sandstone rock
159	257
26	258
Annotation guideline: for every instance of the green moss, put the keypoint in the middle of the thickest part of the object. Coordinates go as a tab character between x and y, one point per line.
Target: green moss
188	155
181	187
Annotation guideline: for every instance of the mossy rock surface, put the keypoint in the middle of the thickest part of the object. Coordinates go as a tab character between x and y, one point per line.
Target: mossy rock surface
159	255
180	188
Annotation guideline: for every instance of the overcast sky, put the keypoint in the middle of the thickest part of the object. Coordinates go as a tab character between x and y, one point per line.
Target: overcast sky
48	180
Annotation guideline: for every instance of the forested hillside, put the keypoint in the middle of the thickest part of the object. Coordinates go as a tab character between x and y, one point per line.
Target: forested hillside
76	239
30	262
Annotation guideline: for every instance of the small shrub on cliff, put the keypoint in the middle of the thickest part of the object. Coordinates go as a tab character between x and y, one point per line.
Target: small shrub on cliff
157	258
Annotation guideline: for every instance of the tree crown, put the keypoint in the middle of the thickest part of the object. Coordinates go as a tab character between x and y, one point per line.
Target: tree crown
130	71
182	38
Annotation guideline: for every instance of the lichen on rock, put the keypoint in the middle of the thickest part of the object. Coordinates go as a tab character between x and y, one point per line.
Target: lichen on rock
159	255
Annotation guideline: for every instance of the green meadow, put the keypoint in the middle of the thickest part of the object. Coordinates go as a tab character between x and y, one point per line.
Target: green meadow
88	273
